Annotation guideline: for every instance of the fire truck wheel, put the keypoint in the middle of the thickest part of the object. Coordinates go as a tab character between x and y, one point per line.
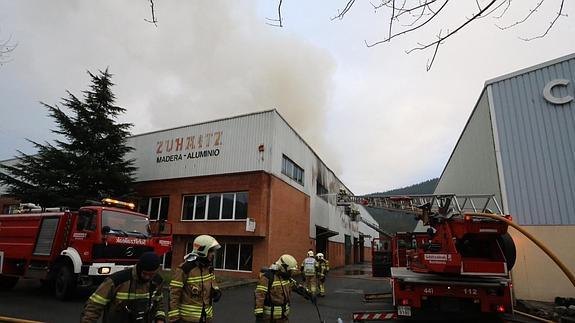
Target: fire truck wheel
7	282
65	283
508	247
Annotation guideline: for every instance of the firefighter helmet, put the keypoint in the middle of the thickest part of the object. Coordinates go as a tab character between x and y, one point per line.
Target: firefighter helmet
203	244
310	253
319	255
286	263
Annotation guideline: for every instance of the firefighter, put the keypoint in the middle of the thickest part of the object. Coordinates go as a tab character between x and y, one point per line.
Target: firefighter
131	295
308	269
193	289
322	268
273	291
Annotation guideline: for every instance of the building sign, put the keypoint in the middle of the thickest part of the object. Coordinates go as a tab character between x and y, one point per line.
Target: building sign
552	98
190	147
250	225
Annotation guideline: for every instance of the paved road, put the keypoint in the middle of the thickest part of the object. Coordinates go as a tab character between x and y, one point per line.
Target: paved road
29	301
345	288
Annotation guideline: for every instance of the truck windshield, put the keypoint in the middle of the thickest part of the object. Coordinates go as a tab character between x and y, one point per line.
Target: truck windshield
125	223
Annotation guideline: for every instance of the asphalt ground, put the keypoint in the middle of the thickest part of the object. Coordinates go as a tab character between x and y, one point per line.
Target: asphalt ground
345	288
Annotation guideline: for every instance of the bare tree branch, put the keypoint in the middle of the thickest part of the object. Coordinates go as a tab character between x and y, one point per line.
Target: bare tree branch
532	11
344	10
392	16
449	34
5	49
407	16
278	22
505	10
559	14
408	30
154	20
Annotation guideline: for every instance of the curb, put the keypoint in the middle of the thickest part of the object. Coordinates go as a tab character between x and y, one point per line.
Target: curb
16	320
234	284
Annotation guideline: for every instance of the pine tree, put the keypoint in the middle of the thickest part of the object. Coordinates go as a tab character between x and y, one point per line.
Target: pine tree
89	164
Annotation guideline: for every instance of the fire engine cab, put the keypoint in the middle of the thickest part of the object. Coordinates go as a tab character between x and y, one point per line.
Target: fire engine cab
66	249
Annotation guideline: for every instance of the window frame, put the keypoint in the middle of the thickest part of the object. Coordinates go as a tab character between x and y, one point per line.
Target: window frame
321	191
159	210
292	170
189	245
207	205
225	249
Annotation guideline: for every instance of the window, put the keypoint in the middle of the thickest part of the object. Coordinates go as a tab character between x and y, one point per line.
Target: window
292	170
216	206
231	256
167	260
155	207
321	191
86	220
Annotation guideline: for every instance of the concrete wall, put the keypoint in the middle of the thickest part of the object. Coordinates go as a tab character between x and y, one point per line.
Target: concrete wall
535	275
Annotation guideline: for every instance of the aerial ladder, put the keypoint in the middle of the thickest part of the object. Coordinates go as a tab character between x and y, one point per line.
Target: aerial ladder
462	261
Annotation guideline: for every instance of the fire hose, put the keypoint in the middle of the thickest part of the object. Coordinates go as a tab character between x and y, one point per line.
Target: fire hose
539	244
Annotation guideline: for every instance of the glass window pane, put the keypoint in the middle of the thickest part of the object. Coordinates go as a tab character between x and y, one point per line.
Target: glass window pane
219	258
289	170
167	260
188	210
143	207
246	257
154	208
241	205
228	206
164	208
232	256
200	207
214	207
189	246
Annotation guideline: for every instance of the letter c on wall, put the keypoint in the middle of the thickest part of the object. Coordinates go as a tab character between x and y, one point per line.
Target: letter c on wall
553	99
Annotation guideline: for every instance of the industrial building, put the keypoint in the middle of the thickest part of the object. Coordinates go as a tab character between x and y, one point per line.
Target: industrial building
253	183
519	143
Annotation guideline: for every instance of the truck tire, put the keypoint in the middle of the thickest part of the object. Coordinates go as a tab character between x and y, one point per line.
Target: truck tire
64	282
8	282
508	247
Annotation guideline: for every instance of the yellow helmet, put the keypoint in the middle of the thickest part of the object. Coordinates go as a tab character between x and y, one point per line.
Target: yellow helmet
203	244
310	253
319	255
286	263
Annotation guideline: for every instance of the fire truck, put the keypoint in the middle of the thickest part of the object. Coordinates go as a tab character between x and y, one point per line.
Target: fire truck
67	249
458	266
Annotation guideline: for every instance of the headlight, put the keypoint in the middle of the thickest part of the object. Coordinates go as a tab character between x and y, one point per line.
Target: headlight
104	270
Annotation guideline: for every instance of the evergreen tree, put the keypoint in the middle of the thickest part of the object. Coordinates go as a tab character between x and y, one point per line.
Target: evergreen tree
89	164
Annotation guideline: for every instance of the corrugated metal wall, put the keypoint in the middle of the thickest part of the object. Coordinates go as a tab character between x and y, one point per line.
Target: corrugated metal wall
537	142
178	152
324	211
472	167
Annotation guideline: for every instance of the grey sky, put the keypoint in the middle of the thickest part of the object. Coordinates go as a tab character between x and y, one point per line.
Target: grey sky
374	115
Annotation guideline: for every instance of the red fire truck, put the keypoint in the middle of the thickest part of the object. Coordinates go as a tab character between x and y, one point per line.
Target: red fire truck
458	267
67	249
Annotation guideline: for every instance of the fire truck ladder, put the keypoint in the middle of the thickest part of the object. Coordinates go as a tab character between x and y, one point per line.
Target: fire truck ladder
442	204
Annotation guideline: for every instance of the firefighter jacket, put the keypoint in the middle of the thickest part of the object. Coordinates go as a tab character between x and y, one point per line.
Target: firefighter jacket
272	295
125	298
322	268
192	290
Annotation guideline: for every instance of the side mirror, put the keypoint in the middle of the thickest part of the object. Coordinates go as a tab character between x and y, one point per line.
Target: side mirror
106	230
162	225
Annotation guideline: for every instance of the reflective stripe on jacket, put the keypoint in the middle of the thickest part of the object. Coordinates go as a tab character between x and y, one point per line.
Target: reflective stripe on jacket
191	292
123	297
